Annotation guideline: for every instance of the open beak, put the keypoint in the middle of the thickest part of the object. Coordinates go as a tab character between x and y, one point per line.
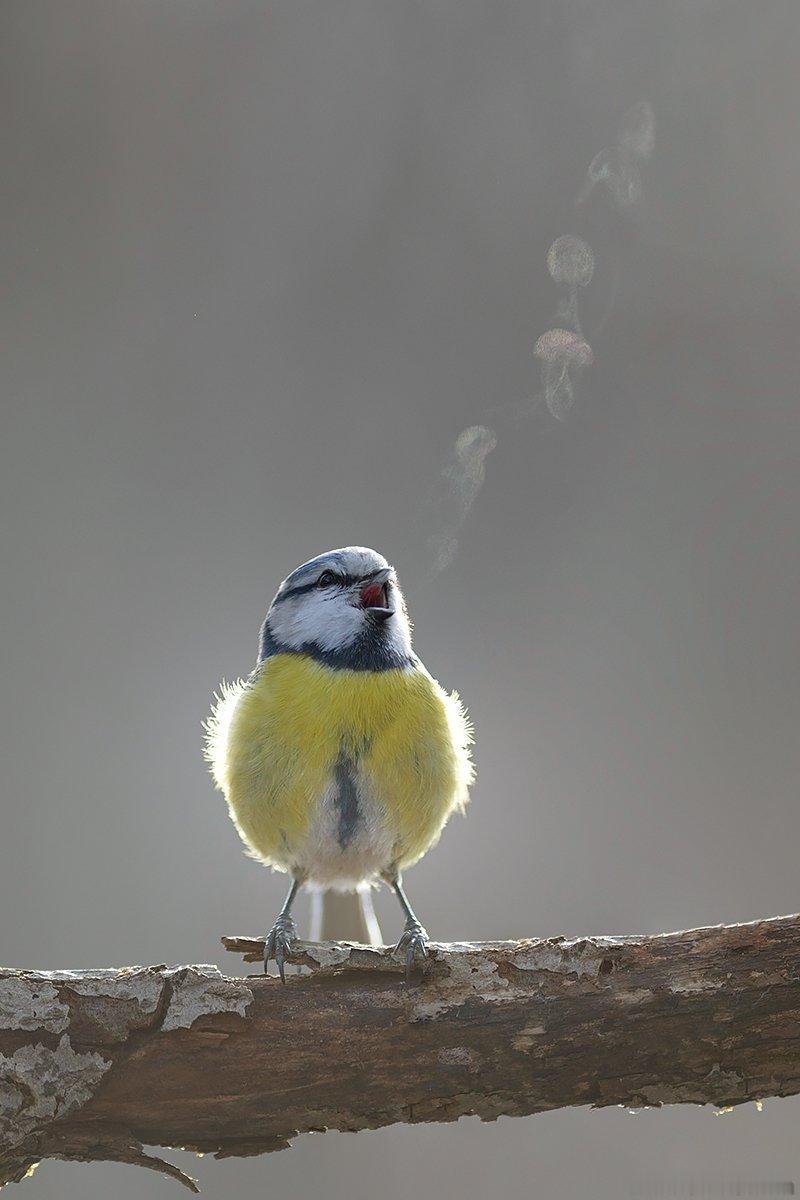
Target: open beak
374	598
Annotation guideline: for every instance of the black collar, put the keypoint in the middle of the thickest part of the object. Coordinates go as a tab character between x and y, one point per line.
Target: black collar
371	651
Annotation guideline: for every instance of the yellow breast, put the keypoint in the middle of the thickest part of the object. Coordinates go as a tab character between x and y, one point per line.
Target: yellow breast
274	742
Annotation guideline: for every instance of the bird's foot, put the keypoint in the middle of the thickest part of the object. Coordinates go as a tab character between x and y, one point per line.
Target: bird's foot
413	944
278	944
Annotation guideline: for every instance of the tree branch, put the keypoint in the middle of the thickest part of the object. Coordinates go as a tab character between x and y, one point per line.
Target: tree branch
99	1064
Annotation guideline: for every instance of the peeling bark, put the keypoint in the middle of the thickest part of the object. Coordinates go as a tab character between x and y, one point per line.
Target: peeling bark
98	1064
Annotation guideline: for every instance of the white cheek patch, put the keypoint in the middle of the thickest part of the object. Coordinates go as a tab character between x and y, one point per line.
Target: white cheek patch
326	620
398	635
331	622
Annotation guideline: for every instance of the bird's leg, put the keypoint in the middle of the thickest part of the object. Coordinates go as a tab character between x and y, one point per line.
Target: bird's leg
414	941
278	942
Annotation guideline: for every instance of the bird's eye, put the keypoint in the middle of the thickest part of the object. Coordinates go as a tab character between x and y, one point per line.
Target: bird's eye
326	579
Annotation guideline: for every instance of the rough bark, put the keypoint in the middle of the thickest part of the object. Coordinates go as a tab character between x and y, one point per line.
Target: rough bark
99	1064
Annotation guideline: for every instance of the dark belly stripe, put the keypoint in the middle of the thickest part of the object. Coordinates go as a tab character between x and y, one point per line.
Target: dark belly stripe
346	797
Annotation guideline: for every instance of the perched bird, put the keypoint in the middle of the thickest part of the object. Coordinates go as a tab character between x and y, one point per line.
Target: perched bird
340	757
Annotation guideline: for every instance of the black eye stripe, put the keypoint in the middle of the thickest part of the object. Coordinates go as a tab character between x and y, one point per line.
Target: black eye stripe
295	591
340	581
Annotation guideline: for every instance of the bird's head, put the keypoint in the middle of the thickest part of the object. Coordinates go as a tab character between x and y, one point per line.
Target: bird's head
344	608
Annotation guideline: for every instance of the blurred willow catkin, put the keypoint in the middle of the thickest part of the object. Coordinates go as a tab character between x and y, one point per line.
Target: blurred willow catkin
462	478
563	352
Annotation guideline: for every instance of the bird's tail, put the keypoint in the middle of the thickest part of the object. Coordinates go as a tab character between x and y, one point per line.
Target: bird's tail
344	916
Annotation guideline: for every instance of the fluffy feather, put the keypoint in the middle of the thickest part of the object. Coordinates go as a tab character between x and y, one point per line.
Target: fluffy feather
274	741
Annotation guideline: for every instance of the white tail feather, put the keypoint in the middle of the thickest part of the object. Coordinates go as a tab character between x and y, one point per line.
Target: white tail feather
344	916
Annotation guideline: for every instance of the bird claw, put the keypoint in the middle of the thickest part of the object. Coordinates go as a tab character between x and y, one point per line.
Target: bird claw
278	944
413	944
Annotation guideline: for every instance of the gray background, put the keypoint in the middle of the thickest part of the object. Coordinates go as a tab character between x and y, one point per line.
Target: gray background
261	263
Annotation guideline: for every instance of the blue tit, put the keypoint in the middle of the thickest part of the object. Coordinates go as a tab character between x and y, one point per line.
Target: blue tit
340	756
